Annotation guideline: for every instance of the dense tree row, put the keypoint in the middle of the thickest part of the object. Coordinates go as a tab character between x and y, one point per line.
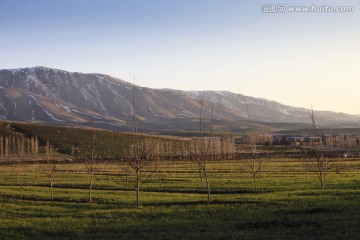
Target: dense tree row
13	147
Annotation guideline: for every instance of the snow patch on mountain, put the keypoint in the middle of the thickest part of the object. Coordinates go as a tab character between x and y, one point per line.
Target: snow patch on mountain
45	110
151	110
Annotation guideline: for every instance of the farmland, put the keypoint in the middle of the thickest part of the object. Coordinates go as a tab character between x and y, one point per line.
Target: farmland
173	203
80	183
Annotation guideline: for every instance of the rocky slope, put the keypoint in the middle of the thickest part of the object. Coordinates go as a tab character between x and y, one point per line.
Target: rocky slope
41	94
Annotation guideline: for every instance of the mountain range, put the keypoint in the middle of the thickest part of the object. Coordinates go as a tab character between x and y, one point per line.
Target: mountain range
52	96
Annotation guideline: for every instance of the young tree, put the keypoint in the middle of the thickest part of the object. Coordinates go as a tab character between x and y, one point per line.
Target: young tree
306	163
254	163
49	170
121	163
20	169
138	156
90	164
201	147
158	165
320	161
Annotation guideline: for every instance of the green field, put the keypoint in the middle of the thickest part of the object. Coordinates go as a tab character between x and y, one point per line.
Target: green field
173	203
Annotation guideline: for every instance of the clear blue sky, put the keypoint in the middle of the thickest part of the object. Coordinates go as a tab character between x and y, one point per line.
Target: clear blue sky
297	59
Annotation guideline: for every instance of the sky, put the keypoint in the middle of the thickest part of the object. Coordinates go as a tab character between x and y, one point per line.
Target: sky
301	59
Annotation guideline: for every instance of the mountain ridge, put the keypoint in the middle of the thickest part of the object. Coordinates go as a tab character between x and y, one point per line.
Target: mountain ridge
41	94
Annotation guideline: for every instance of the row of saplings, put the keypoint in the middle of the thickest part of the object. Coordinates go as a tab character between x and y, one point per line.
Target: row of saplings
144	153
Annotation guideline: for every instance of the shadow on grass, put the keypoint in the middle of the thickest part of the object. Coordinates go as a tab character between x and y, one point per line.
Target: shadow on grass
311	211
34	198
150	204
194	203
199	191
279	224
185	191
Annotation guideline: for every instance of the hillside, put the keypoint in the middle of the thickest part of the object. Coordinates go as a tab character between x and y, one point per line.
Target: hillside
73	141
44	95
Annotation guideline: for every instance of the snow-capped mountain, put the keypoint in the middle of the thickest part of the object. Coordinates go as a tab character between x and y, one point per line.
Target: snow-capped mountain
41	94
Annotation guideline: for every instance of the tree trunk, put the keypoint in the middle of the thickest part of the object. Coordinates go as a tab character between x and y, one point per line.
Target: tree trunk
51	187
254	180
127	181
322	180
207	186
21	187
253	166
137	187
201	178
90	187
160	176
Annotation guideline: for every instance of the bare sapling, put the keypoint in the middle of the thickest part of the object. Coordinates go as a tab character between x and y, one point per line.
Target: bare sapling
201	147
254	163
306	163
321	163
329	142
20	167
158	164
140	153
49	169
119	158
16	151
140	158
90	164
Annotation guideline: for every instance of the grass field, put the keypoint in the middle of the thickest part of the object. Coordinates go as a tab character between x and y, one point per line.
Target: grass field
173	204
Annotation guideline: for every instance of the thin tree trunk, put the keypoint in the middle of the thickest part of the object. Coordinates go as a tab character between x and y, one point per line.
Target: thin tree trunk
207	185
127	181
91	186
201	178
91	167
51	187
21	188
20	180
137	187
254	179
322	180
254	173
160	176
